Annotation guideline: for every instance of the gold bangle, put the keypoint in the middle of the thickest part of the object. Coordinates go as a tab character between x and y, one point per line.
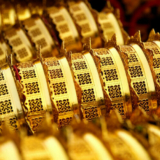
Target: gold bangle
36	99
39	34
62	89
114	79
87	77
141	79
65	27
81	13
20	44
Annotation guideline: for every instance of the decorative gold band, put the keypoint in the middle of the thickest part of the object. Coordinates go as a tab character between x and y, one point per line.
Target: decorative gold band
114	80
36	99
86	75
85	20
62	88
141	79
65	27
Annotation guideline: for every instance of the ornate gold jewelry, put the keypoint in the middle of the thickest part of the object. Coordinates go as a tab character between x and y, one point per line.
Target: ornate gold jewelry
141	80
62	89
114	79
10	105
83	17
20	44
65	27
153	55
87	77
36	99
39	34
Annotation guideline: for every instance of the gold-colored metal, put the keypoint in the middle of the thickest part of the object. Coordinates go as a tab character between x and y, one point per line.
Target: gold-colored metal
65	27
141	80
62	88
10	105
36	99
39	34
87	77
20	44
84	19
114	79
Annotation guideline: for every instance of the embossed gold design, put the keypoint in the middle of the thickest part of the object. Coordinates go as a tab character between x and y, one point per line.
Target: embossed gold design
20	44
139	79
111	68
86	75
40	35
65	27
37	100
62	90
85	20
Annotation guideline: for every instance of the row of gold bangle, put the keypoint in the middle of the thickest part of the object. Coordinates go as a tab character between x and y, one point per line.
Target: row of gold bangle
89	83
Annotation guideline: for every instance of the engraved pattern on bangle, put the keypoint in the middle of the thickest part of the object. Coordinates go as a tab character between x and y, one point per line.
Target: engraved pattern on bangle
34	104
39	34
60	94
111	80
84	77
137	76
19	43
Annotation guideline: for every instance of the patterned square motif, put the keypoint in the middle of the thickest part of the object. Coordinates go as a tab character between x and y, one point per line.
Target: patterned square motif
140	87
55	73
63	105
14	123
42	43
59	18
22	53
59	88
16	42
90	113
118	106
80	65
35	105
135	71
132	58
156	62
53	63
35	32
88	95
64	121
29	74
144	104
156	50
35	122
1	76
84	78
32	88
3	89
63	28
114	91
5	107
105	61
158	78
85	28
110	74
80	17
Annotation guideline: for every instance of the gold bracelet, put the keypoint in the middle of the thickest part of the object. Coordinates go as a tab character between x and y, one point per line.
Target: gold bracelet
20	44
65	27
39	35
153	55
114	79
36	99
87	77
10	105
140	75
62	89
81	13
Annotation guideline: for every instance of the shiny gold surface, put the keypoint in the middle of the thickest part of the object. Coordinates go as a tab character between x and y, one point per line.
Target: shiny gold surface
86	75
62	88
114	79
85	20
